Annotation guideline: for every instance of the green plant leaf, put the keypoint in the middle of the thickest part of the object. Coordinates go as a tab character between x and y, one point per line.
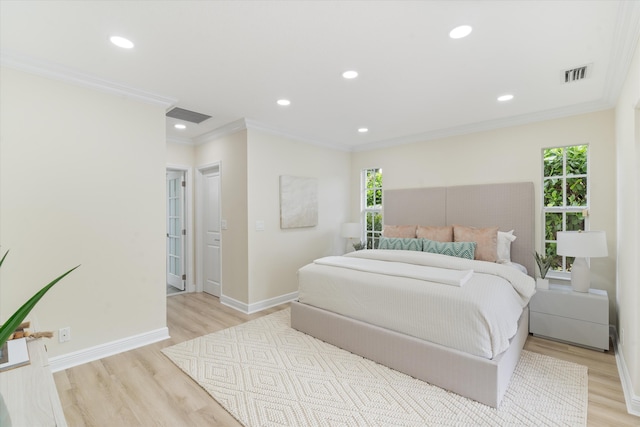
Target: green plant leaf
14	321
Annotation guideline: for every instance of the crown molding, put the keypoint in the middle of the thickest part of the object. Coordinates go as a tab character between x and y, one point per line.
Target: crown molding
262	127
558	113
58	72
182	141
250	124
625	39
224	130
523	119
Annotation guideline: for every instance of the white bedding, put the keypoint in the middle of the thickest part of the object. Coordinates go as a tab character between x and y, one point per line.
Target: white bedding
400	269
478	318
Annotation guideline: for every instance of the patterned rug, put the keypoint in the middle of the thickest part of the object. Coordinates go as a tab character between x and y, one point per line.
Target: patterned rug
267	374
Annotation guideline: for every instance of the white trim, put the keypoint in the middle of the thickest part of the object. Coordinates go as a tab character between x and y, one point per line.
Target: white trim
488	125
65	361
59	72
260	305
181	141
248	124
262	127
224	130
188	190
627	22
632	400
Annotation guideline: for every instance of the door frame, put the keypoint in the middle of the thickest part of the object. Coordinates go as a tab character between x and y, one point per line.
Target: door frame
188	222
200	170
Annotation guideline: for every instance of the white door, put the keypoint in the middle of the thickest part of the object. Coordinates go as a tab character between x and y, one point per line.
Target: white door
211	229
175	230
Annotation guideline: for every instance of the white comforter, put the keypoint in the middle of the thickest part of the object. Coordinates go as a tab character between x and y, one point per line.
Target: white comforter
478	316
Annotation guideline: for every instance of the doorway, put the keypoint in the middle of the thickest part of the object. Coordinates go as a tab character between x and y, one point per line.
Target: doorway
179	222
209	236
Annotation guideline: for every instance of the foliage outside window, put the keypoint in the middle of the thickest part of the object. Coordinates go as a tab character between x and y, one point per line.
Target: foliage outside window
372	206
565	197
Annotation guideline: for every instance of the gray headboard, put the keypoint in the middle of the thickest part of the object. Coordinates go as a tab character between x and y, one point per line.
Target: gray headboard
509	206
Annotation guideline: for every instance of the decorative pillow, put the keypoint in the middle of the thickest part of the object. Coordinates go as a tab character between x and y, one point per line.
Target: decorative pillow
439	234
460	249
504	245
486	239
399	243
404	231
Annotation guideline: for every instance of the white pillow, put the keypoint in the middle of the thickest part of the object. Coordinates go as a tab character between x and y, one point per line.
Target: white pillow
504	245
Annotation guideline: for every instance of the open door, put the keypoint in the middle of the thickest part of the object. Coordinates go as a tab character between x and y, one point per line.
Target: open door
176	277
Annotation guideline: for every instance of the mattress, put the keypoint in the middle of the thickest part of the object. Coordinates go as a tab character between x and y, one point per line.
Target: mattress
476	313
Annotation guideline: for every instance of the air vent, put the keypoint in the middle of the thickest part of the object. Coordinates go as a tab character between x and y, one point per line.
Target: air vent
186	115
576	74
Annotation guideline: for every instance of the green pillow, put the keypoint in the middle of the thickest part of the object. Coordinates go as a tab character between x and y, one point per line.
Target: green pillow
459	249
400	243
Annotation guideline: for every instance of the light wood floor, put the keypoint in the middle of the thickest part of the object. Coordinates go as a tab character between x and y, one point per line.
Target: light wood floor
143	388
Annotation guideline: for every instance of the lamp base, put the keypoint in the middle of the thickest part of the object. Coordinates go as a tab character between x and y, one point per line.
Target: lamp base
580	275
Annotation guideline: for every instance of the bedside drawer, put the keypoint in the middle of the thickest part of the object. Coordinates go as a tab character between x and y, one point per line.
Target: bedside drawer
571	330
564	302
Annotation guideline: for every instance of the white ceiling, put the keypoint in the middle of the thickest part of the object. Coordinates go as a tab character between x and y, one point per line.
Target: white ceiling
233	59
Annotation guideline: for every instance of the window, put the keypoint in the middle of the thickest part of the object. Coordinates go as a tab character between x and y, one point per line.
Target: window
565	197
372	205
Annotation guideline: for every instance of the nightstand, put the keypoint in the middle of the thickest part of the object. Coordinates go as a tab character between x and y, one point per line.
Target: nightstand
562	314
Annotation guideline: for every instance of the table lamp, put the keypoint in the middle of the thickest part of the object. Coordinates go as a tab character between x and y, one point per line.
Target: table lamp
581	245
351	230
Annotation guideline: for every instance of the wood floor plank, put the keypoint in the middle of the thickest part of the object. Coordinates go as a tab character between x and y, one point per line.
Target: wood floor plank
143	388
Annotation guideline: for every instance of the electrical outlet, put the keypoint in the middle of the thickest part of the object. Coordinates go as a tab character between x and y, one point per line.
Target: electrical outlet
64	334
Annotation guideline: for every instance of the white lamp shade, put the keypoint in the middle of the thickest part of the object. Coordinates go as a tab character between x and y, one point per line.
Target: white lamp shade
351	230
585	244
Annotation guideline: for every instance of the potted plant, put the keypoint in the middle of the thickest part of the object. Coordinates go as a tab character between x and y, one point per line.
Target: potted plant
544	263
8	327
358	246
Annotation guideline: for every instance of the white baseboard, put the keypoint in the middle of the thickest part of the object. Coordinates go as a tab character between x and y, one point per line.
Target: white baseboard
632	400
65	361
260	305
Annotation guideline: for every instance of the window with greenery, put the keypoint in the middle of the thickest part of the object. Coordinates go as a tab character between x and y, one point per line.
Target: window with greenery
565	197
372	206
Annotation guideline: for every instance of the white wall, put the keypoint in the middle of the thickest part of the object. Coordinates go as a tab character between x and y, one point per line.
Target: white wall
628	166
181	154
510	155
276	254
82	182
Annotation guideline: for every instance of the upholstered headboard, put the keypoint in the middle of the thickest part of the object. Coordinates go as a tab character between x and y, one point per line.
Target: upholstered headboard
509	206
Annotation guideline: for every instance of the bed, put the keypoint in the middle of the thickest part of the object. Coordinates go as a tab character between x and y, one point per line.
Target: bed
405	318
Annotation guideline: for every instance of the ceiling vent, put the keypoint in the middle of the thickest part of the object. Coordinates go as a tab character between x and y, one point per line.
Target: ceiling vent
576	74
186	115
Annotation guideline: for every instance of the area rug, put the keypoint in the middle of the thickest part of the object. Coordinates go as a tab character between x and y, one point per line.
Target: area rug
267	374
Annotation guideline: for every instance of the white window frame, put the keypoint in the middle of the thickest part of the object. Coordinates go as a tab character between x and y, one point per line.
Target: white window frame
564	210
365	210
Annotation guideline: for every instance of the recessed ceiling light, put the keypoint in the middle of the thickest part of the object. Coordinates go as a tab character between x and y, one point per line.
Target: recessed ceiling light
504	98
351	74
284	102
460	32
179	126
363	130
122	42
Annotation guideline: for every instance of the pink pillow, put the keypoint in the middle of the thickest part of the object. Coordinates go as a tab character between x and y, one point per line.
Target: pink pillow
486	240
402	231
438	234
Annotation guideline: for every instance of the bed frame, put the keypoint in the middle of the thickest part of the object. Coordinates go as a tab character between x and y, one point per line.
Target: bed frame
509	206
